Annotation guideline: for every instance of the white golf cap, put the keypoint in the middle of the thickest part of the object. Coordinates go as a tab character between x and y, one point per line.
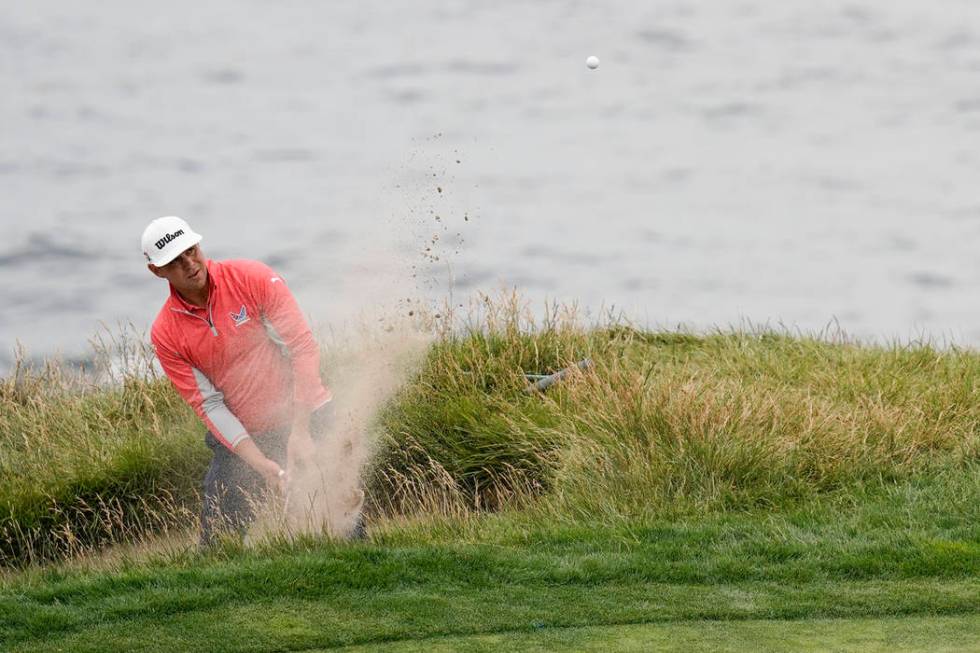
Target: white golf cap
165	239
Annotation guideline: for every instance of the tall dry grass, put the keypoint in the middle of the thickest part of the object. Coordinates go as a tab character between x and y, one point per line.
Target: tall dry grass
741	421
670	421
663	423
93	455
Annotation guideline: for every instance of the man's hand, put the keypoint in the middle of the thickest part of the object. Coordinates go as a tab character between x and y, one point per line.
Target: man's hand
274	475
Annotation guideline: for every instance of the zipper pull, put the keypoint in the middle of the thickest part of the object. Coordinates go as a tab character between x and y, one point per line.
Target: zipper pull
214	331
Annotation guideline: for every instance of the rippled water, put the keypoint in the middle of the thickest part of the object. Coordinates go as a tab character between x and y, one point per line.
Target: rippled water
789	162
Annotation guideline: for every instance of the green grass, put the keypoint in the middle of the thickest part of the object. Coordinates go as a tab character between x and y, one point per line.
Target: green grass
734	487
891	554
909	634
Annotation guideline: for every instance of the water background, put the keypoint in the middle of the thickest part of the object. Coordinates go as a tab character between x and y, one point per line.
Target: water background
772	161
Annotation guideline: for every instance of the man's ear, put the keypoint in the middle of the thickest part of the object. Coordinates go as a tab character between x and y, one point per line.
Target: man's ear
154	269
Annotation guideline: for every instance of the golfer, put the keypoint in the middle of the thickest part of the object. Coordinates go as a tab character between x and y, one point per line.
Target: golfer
232	340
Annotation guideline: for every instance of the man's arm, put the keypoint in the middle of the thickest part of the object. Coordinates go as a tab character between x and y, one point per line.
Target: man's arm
274	475
209	404
289	327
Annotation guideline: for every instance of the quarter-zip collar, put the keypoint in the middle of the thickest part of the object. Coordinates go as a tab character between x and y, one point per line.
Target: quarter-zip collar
185	307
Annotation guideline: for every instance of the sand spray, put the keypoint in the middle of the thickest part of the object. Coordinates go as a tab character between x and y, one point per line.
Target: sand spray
325	494
386	326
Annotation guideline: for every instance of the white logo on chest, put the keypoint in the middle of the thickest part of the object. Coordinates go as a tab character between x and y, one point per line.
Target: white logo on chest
241	317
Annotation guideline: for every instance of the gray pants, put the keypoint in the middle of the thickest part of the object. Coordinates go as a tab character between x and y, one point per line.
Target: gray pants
232	488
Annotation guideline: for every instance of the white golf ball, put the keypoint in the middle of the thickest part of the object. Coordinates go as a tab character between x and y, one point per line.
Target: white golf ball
592	62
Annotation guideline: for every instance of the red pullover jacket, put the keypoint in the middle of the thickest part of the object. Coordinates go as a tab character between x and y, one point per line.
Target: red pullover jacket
243	361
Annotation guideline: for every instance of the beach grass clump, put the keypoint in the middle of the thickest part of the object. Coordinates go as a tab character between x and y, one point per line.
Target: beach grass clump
92	456
462	427
667	422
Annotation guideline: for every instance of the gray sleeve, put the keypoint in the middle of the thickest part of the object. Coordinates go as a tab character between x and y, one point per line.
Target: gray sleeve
213	405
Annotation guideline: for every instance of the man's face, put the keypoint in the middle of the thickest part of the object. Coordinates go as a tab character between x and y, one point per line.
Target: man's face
188	273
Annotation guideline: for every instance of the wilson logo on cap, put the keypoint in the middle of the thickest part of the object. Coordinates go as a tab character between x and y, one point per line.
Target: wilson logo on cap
164	239
168	237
